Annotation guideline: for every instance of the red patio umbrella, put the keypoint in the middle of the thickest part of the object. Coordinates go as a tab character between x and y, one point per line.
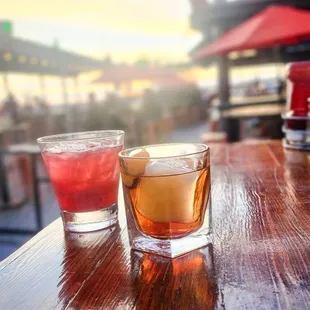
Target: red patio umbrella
276	25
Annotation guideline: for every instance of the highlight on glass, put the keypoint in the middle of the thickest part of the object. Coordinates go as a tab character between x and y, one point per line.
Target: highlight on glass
84	172
167	197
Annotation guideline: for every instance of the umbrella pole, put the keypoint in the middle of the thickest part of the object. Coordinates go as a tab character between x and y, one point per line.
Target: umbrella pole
277	59
223	79
229	125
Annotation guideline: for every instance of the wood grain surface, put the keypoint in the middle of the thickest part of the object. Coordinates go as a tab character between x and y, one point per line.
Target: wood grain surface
260	258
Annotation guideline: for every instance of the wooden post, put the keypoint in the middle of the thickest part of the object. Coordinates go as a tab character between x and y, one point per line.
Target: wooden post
6	86
66	104
64	90
76	88
77	119
42	86
151	132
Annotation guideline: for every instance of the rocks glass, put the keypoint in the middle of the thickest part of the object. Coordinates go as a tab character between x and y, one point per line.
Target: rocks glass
84	171
167	197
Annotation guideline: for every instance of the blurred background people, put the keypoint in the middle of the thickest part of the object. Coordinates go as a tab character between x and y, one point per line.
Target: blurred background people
11	108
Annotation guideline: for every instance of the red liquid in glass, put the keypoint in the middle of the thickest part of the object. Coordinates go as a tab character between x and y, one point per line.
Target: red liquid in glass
84	181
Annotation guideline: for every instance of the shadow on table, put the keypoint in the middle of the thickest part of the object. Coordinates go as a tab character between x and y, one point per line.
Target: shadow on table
187	282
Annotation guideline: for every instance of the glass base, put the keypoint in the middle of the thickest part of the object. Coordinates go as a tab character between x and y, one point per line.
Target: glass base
173	247
170	247
89	221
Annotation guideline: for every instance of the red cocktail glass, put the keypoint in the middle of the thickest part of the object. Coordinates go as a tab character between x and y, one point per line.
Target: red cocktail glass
84	172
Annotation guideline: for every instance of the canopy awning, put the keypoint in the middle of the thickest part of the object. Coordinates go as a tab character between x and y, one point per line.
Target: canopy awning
274	26
23	56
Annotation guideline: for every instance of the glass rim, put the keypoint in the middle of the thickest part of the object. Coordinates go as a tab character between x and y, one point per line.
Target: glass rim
58	137
122	154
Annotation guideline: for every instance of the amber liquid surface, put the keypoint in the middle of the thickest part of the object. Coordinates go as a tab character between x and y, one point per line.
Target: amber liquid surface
168	207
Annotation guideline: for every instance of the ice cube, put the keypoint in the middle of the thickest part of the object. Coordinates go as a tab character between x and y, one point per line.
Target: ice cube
65	147
167	193
165	167
93	145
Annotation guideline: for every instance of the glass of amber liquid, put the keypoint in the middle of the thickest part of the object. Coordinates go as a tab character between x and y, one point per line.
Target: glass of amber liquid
167	197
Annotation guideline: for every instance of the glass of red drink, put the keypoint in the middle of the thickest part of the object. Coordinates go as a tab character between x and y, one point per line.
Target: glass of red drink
84	171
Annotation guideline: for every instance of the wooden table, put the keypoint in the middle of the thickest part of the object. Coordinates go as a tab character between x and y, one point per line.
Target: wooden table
260	258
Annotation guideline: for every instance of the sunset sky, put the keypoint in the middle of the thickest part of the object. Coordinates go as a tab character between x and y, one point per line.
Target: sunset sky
125	29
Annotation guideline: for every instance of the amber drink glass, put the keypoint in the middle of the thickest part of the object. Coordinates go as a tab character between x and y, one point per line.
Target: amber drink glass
167	197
